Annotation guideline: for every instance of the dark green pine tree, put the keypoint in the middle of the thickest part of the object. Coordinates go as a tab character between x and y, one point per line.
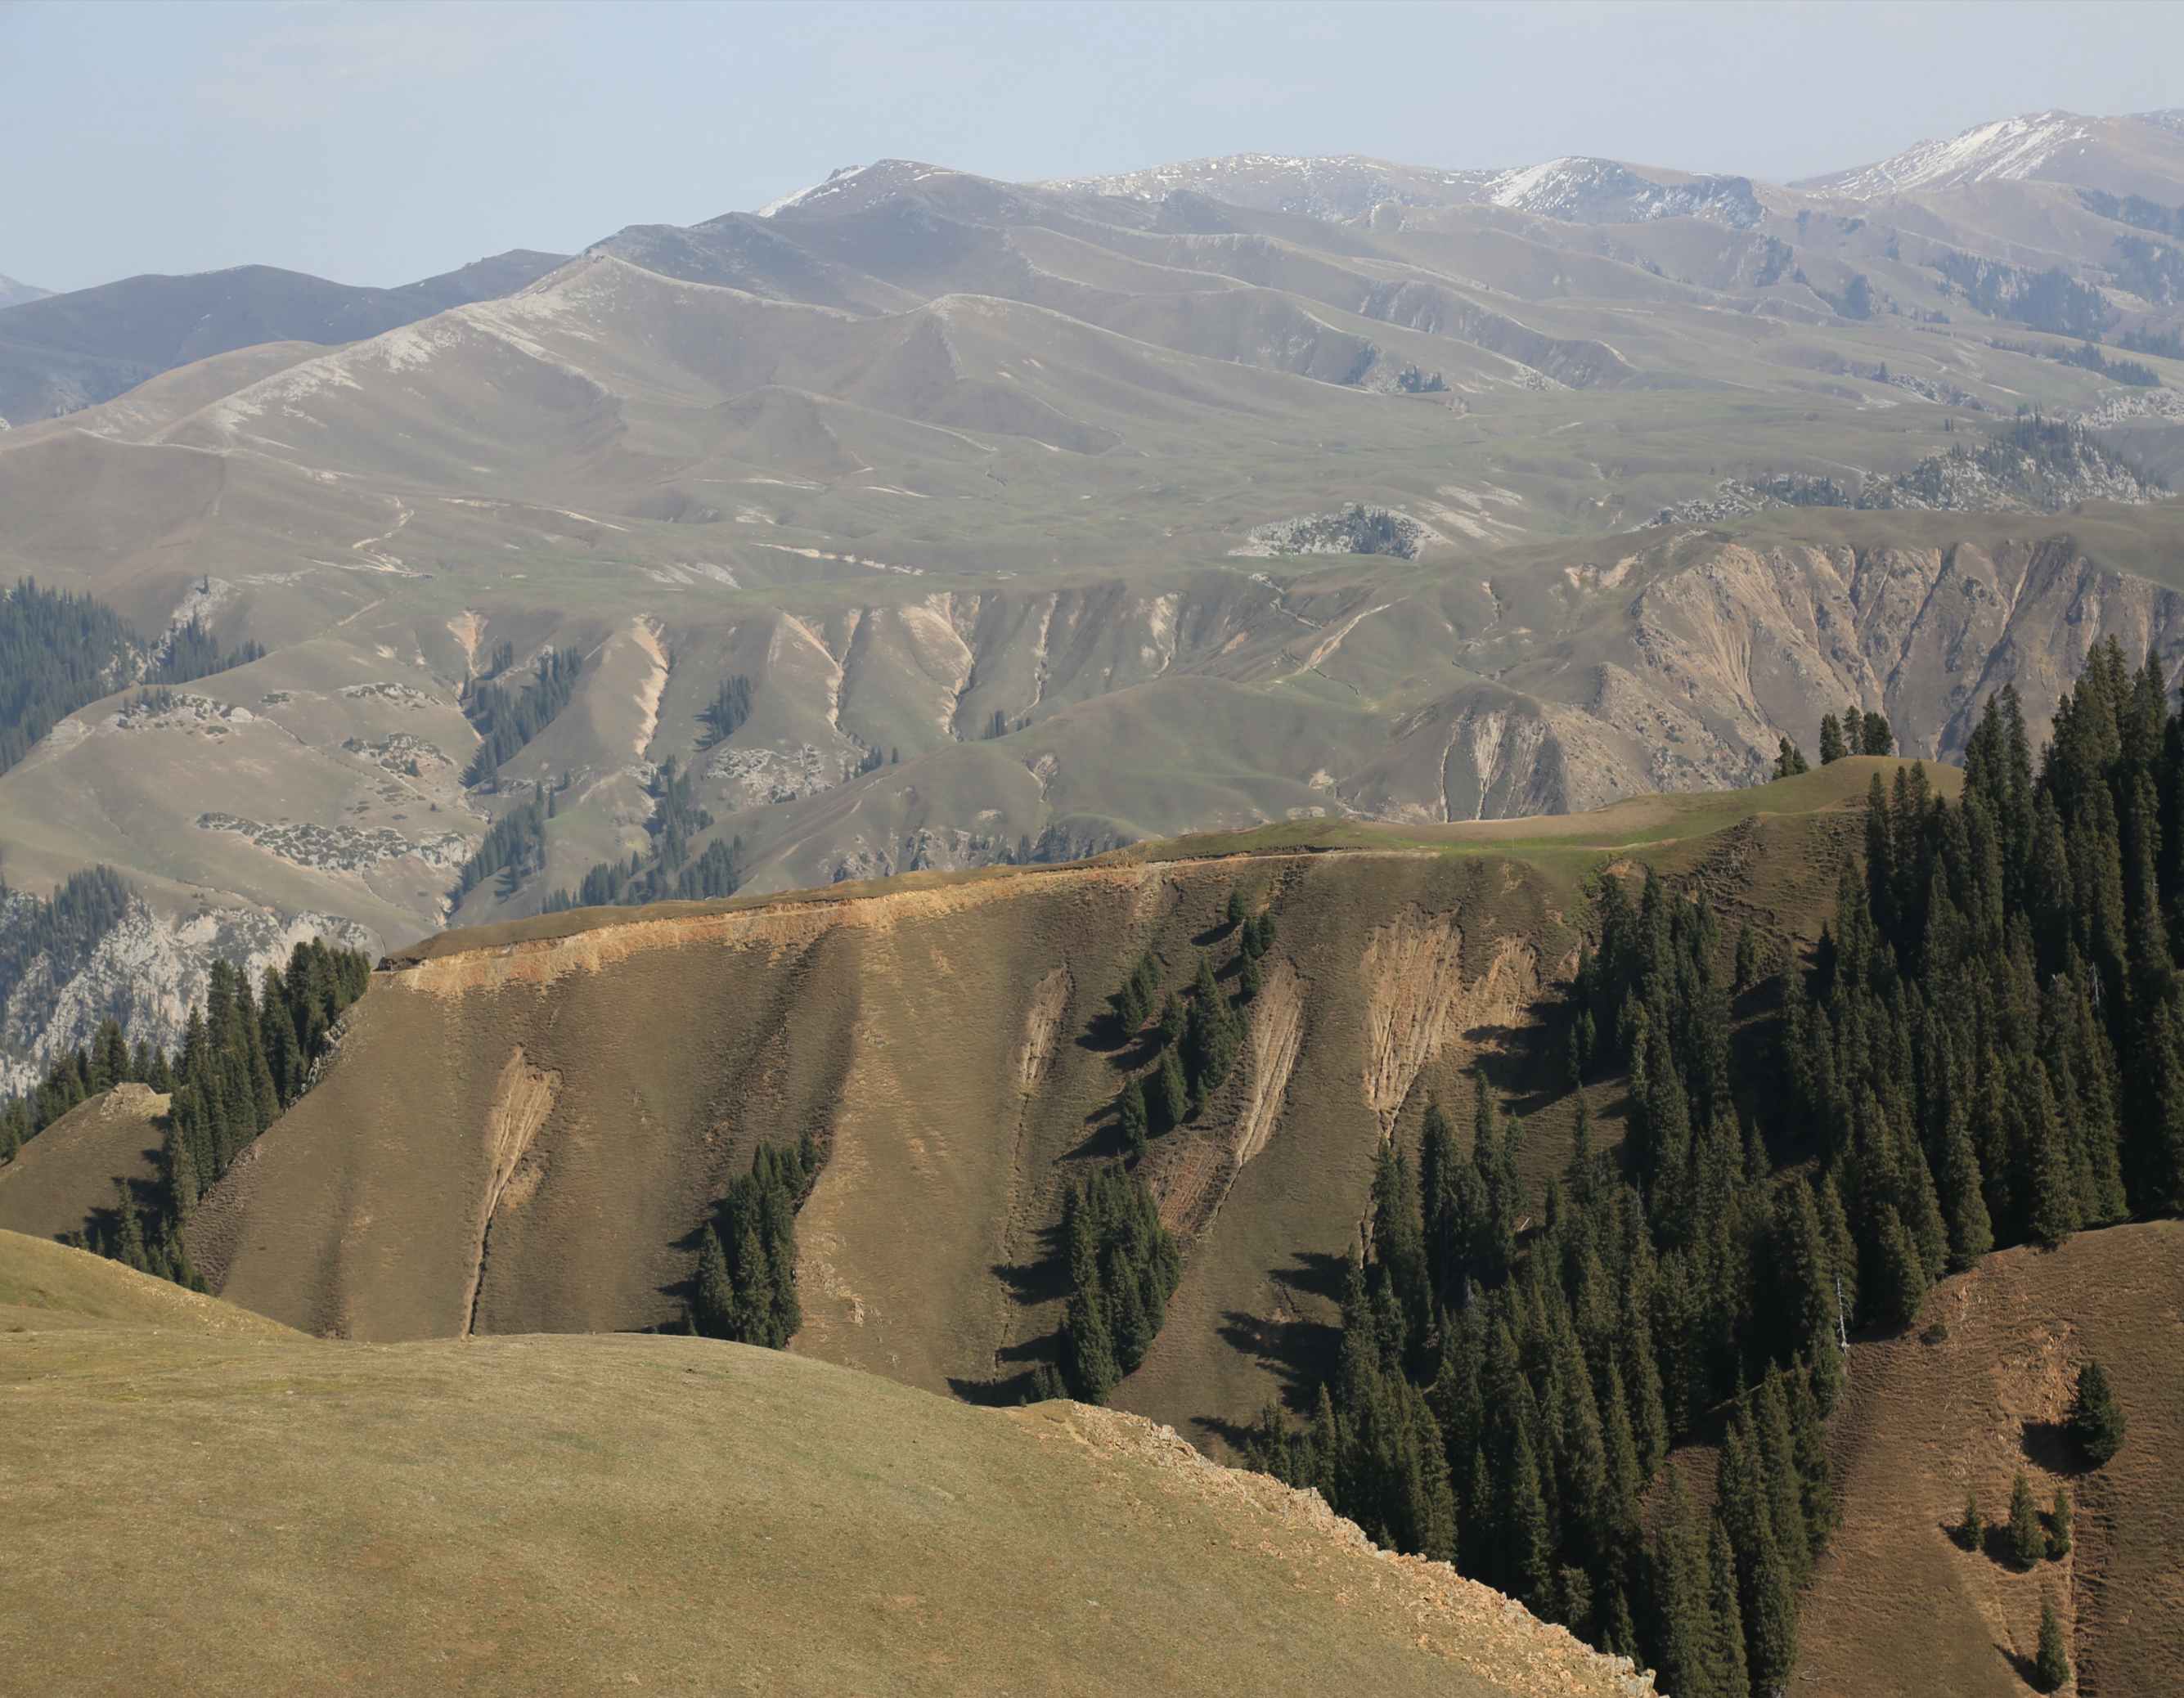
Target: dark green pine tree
1729	1674
1171	1092
2050	1663
2046	1179
711	1312
1132	1118
750	1312
1682	1622
1399	1258
1235	915
1898	1273
1832	747
1171	1021
2058	1525
1767	1420
1789	759
2028	1538
1971	1531
1748	959
1446	1231
1091	1366
2096	1419
1962	1191
1765	1594
1876	737
2155	1148
1526	1550
1815	1472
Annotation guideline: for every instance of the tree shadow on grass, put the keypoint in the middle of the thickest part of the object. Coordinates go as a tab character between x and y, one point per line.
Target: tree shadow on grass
1043	1278
1007	1389
2048	1444
2019	1666
1298	1350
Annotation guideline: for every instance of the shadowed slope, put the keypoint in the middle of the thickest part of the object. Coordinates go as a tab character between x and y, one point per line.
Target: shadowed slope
70	1169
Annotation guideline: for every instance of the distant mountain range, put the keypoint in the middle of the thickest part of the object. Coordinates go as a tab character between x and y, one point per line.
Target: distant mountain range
75	349
926	520
61	352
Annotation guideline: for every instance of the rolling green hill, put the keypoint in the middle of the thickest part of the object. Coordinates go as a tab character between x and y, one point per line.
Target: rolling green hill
539	1514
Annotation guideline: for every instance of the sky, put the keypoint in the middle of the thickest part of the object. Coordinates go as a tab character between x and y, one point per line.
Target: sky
379	143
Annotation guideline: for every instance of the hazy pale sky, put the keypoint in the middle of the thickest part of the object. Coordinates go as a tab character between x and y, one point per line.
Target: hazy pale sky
377	143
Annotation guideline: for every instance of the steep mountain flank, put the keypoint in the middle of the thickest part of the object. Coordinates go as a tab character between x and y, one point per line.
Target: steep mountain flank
516	1135
871	1021
881	1540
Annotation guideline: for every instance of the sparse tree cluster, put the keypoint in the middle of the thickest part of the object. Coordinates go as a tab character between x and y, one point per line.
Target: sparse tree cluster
508	718
1197	1037
746	1281
59	651
668	871
730	707
1124	1266
512	849
1857	732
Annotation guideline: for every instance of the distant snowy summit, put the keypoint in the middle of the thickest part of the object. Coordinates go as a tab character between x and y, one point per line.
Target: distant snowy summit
2058	146
858	185
2142	154
1339	188
1332	187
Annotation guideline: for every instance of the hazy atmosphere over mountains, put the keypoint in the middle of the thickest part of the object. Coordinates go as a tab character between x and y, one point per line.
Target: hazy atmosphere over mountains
974	515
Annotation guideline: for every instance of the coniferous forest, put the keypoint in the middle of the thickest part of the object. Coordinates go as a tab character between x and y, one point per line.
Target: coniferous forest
1985	1048
59	651
244	1058
508	718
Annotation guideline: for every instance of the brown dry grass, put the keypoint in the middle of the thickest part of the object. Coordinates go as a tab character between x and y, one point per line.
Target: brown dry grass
1964	1401
242	1510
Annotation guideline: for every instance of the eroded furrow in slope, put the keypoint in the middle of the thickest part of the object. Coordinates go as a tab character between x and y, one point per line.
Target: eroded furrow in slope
521	1100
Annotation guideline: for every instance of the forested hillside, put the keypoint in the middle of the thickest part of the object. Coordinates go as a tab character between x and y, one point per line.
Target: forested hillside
245	1057
1986	1049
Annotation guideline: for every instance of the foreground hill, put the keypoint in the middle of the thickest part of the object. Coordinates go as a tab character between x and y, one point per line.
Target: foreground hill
274	1512
63	1178
527	1125
1962	1402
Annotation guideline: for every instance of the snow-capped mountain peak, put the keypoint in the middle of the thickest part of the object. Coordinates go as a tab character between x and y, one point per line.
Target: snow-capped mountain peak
2007	150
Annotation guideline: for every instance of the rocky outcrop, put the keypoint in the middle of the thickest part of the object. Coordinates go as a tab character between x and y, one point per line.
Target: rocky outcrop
1744	645
146	973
